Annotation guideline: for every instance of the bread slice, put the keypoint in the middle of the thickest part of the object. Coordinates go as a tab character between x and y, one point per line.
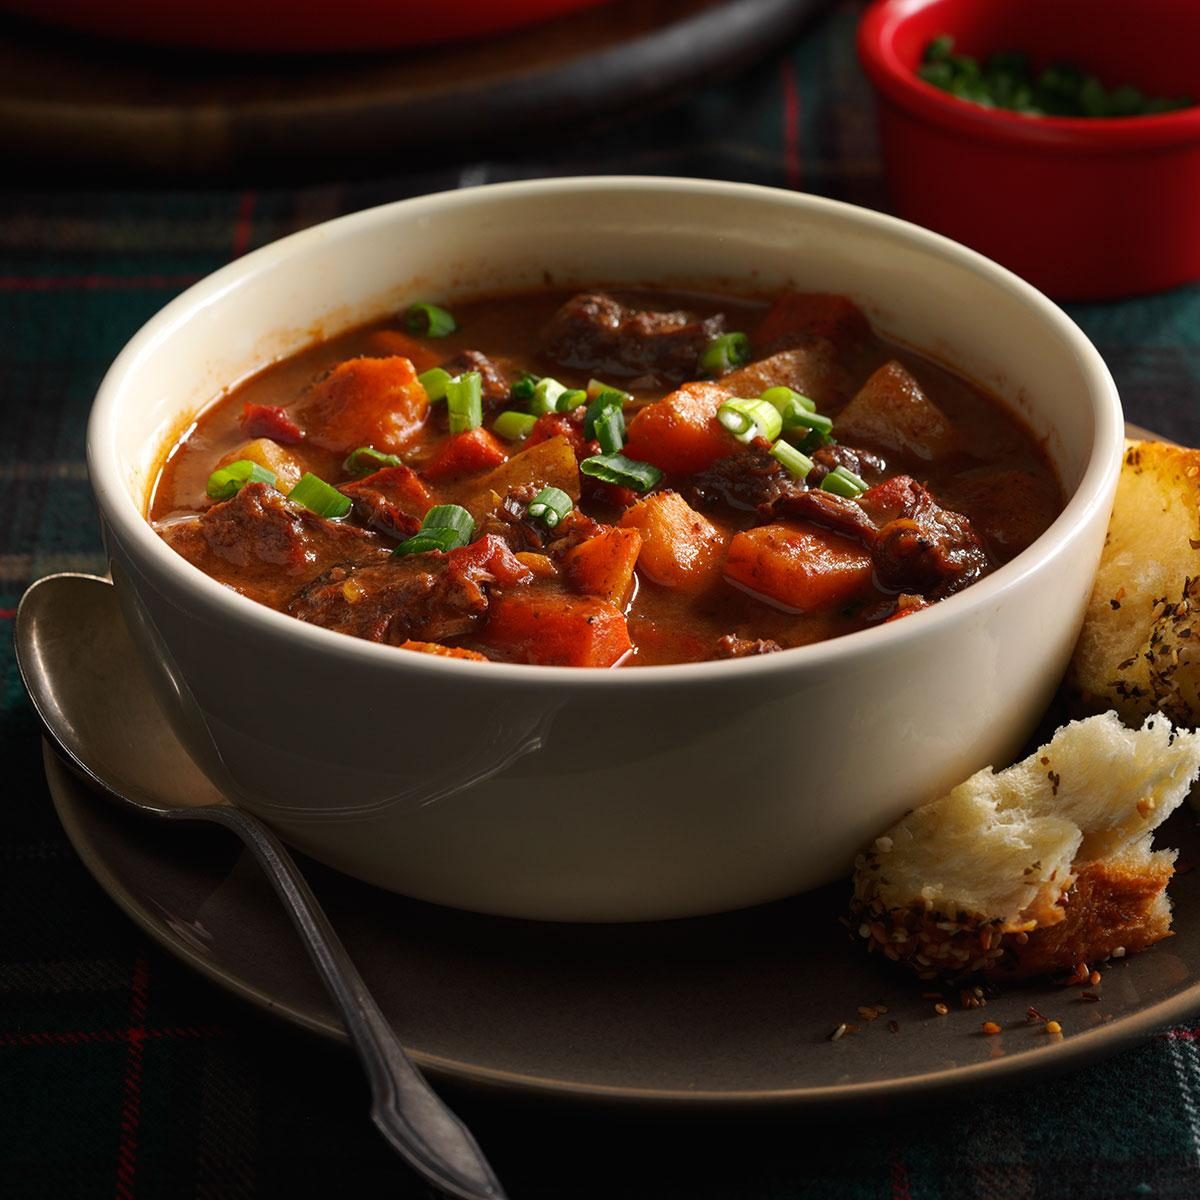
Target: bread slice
1139	650
1038	867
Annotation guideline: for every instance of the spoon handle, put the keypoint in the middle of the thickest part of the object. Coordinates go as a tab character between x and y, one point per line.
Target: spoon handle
404	1107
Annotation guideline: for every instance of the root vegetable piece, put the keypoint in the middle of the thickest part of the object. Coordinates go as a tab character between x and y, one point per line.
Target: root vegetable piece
680	433
365	402
1139	650
387	343
551	463
892	413
271	455
466	454
1038	867
437	649
680	547
603	565
802	568
555	630
811	314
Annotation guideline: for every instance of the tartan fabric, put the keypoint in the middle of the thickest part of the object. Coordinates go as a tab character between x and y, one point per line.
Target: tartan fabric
122	1074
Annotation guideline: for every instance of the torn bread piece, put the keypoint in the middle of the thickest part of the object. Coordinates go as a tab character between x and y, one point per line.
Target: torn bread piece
1139	649
1036	868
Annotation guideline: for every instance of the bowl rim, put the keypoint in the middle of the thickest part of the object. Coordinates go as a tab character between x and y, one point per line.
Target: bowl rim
899	83
1091	499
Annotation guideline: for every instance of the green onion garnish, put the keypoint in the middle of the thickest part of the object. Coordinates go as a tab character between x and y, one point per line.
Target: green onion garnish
788	403
464	400
791	459
434	382
748	419
445	527
597	388
544	398
843	483
551	504
366	459
724	353
515	426
624	472
317	496
226	482
608	428
609	398
429	320
570	400
815	421
522	390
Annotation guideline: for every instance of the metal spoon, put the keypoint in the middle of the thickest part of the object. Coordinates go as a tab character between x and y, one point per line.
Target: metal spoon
82	673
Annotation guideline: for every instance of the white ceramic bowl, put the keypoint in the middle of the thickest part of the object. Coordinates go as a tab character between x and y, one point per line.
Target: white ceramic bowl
566	793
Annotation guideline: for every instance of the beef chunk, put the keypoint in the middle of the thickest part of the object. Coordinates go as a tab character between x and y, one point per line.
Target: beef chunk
829	511
264	546
732	646
593	332
424	597
748	479
867	466
392	500
507	520
493	379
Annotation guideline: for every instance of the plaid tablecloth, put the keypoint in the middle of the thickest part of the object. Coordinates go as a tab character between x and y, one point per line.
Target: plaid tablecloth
122	1074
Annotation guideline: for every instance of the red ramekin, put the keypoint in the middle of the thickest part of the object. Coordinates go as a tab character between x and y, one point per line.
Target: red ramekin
1084	208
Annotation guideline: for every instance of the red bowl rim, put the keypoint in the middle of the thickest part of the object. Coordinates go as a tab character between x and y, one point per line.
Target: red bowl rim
900	84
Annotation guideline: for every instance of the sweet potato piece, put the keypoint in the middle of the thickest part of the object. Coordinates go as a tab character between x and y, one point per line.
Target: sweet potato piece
804	569
893	413
365	402
466	454
551	629
800	314
680	548
603	565
271	455
441	651
386	343
681	433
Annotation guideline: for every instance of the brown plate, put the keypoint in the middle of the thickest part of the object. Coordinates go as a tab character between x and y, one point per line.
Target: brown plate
733	1011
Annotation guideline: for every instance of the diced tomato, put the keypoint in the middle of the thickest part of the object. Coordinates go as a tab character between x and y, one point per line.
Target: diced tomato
804	569
681	433
392	500
365	402
270	421
443	651
534	626
555	424
488	559
603	565
815	313
465	454
680	548
385	343
612	494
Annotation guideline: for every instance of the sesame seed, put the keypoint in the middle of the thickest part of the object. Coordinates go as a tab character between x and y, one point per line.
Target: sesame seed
990	1028
1053	1027
940	1009
1094	978
838	1033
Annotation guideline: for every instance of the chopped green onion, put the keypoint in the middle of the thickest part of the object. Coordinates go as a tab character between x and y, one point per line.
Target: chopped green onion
786	400
429	320
317	496
609	398
522	390
464	400
748	419
608	428
445	527
367	459
597	388
723	353
545	395
434	382
515	426
815	440
791	459
551	504
624	472
803	419
843	483
570	400
226	482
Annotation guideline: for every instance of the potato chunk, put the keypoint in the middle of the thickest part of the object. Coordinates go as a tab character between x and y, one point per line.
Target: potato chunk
271	455
892	413
680	547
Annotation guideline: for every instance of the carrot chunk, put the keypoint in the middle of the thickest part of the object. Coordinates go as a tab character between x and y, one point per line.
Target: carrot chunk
365	402
603	565
550	629
804	569
465	454
384	343
681	433
680	548
443	651
815	314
